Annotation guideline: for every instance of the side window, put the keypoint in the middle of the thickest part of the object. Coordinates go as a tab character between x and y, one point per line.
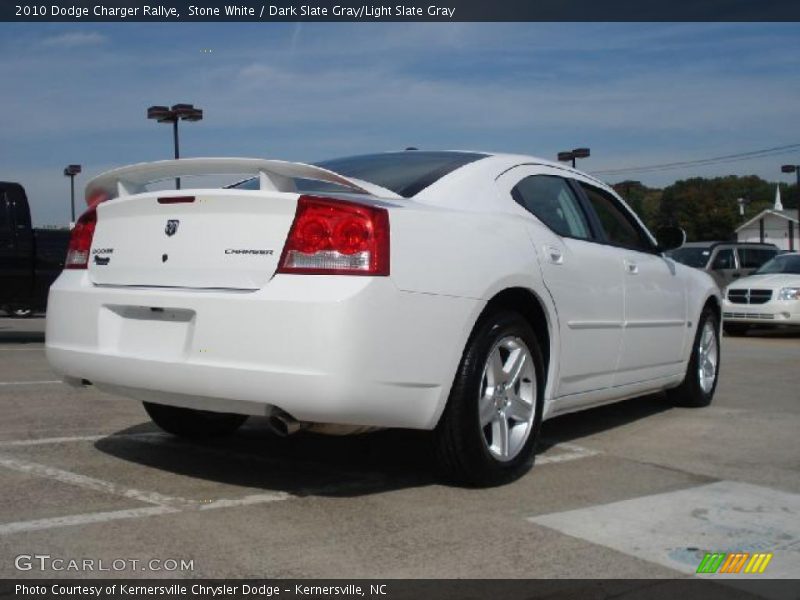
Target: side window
552	201
724	260
619	228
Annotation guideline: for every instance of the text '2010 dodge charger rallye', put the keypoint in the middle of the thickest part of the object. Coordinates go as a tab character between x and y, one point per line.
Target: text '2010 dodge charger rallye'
469	294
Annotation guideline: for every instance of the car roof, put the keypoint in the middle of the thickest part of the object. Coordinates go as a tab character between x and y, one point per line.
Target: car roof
710	245
511	159
464	162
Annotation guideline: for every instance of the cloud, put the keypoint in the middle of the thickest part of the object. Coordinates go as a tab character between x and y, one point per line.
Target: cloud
75	39
629	91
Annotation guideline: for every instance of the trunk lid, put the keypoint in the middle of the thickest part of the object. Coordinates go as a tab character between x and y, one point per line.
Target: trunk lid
222	239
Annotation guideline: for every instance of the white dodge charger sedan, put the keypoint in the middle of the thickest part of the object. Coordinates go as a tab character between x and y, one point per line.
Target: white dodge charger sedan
467	293
769	297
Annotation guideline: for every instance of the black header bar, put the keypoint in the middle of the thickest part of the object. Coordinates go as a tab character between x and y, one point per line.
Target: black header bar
400	10
394	589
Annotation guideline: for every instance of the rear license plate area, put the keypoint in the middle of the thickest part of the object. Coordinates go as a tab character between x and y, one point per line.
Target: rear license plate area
156	333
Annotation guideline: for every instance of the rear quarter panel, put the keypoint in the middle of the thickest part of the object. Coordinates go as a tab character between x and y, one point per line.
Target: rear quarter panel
459	253
472	252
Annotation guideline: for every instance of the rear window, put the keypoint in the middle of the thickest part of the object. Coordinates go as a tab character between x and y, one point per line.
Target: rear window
405	173
752	258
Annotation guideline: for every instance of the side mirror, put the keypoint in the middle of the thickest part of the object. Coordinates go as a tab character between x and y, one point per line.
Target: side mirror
669	238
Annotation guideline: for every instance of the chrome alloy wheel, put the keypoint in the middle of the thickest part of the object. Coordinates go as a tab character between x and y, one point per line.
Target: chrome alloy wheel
507	400
707	357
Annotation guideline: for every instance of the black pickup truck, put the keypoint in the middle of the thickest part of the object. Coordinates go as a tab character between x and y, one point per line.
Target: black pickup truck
30	259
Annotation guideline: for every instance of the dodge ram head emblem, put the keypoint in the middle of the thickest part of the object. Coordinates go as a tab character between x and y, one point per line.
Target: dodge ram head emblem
172	227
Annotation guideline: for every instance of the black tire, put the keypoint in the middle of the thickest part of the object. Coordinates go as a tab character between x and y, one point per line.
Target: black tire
461	450
735	329
191	423
690	393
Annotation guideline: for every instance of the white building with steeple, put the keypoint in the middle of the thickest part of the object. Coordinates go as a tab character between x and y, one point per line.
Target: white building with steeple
774	225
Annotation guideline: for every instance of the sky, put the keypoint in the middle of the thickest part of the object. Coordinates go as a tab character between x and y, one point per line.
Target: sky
636	94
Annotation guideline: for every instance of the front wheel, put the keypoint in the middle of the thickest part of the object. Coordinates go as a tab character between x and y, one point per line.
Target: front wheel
489	429
191	423
702	375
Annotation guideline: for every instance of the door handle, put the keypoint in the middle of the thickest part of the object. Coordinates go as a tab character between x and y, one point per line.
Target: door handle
631	267
554	255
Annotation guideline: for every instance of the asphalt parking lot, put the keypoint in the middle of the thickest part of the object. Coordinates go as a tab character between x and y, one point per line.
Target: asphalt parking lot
634	490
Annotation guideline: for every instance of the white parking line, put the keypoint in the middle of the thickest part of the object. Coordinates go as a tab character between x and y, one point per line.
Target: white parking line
162	504
573	452
42	382
91	483
76	438
84	519
247	500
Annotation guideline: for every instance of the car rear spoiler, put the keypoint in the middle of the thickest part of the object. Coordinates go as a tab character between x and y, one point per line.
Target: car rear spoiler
274	175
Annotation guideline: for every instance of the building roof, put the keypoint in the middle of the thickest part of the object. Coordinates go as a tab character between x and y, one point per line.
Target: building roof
789	215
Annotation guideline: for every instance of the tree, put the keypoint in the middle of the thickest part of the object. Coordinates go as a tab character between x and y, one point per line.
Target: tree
707	208
644	201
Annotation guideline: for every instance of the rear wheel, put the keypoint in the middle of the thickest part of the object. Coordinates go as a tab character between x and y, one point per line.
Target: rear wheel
735	329
488	431
702	375
191	423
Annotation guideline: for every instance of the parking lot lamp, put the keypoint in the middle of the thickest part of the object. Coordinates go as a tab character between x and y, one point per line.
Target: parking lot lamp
178	112
571	155
796	170
70	171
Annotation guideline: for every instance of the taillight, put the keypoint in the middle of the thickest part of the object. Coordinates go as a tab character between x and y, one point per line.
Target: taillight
336	237
97	197
80	242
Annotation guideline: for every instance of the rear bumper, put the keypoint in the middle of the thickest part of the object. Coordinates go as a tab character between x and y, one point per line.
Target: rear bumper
328	349
774	312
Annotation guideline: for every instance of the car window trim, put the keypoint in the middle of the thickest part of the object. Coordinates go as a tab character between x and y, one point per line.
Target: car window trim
598	233
626	214
593	221
580	205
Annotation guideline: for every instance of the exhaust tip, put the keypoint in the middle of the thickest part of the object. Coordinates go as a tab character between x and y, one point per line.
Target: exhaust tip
284	425
278	426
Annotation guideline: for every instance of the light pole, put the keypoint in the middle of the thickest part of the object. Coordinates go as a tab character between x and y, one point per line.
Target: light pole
573	154
795	169
70	171
178	112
